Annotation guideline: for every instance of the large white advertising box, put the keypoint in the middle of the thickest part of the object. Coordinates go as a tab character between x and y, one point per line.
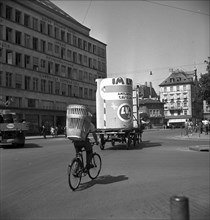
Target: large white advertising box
114	103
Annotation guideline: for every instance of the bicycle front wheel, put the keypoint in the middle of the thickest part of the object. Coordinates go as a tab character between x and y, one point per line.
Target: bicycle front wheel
74	173
96	161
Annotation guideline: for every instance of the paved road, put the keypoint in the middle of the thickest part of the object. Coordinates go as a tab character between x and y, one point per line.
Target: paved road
133	184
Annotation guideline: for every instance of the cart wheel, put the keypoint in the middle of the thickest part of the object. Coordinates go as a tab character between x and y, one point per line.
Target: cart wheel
134	139
113	143
102	145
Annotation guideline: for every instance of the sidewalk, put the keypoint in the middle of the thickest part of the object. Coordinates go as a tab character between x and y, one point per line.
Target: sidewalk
41	137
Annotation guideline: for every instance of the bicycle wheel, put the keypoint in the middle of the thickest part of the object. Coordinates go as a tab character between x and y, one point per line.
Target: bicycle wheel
74	173
96	161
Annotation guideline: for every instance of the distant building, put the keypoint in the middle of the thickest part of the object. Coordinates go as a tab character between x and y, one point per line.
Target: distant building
150	104
178	93
48	60
206	110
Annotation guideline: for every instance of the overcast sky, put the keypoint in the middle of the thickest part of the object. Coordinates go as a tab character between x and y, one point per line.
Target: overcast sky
144	36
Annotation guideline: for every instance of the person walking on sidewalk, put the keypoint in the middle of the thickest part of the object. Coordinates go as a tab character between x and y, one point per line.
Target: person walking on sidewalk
206	126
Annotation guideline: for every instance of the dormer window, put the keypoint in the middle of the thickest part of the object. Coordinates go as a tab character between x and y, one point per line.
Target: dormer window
171	80
178	79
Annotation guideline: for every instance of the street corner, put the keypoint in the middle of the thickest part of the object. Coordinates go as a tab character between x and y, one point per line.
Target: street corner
200	148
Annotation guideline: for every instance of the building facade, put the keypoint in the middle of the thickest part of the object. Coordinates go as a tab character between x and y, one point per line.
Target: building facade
206	110
178	93
48	60
150	104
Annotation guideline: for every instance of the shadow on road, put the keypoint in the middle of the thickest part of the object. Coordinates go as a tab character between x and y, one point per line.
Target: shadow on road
21	147
106	179
140	146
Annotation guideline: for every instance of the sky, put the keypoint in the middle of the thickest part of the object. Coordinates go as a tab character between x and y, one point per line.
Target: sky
147	36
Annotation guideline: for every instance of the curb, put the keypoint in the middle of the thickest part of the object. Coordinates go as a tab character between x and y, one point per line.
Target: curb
41	137
200	148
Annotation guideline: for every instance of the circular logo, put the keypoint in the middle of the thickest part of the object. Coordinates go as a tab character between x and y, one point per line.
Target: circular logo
10	126
124	112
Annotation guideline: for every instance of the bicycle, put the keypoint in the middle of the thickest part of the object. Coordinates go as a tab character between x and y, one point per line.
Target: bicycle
77	170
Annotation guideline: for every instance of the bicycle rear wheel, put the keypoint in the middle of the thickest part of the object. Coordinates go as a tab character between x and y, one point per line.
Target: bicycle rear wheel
96	161
75	173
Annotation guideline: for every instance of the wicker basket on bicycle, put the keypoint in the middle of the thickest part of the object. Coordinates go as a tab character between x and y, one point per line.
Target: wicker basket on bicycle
77	122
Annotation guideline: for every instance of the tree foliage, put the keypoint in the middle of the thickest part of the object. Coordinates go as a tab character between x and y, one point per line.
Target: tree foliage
204	84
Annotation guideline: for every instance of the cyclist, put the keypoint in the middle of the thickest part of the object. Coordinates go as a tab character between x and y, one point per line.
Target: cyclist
87	145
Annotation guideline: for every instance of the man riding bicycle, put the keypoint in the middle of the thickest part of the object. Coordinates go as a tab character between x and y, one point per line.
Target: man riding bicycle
79	144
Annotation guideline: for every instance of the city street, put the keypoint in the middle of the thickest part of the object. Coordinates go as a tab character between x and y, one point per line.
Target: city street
133	184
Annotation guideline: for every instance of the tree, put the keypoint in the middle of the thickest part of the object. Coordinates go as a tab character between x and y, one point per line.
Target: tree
204	84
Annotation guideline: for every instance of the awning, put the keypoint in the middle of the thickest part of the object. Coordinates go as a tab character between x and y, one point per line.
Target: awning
177	120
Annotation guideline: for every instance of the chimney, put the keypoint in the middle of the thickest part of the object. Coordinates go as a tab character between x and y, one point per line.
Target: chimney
150	89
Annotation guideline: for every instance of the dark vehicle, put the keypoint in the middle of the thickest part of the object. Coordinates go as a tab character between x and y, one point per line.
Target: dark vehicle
12	130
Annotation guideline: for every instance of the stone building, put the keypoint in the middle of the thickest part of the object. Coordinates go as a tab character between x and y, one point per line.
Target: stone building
48	60
178	92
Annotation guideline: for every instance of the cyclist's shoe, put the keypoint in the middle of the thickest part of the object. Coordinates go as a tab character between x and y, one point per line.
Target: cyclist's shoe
89	166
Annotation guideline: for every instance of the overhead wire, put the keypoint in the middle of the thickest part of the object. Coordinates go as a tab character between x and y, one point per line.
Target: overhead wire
170	6
87	12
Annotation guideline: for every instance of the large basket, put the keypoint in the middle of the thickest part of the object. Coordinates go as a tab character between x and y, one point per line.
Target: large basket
77	122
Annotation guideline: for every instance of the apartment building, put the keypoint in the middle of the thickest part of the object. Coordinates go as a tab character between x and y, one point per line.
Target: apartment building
48	60
178	94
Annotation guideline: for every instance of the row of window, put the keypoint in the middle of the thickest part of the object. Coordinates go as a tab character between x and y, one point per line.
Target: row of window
44	86
178	88
36	64
51	49
172	100
48	29
172	113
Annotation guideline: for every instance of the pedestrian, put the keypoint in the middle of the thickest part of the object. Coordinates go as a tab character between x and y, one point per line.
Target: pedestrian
200	127
186	127
206	126
44	131
52	131
190	127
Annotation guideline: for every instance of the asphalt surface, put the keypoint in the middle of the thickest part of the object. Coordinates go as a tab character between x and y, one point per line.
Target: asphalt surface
133	184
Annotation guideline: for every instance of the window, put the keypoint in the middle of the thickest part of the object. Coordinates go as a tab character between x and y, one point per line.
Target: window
50	67
50	47
9	57
27	61
9	34
27	20
43	64
50	30
18	59
8	13
63	71
80	58
27	82
172	80
1	32
80	92
94	49
18	16
68	38
90	62
56	49
85	93
80	43
63	35
31	103
85	45
27	40
18	37
74	57
69	54
90	93
56	30
35	84
42	45
69	72
69	90
8	79
177	88
74	40
89	47
171	88
185	112
18	81
50	87
184	87
35	43
42	27
57	66
63	89
43	85
63	53
57	88
35	63
35	24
